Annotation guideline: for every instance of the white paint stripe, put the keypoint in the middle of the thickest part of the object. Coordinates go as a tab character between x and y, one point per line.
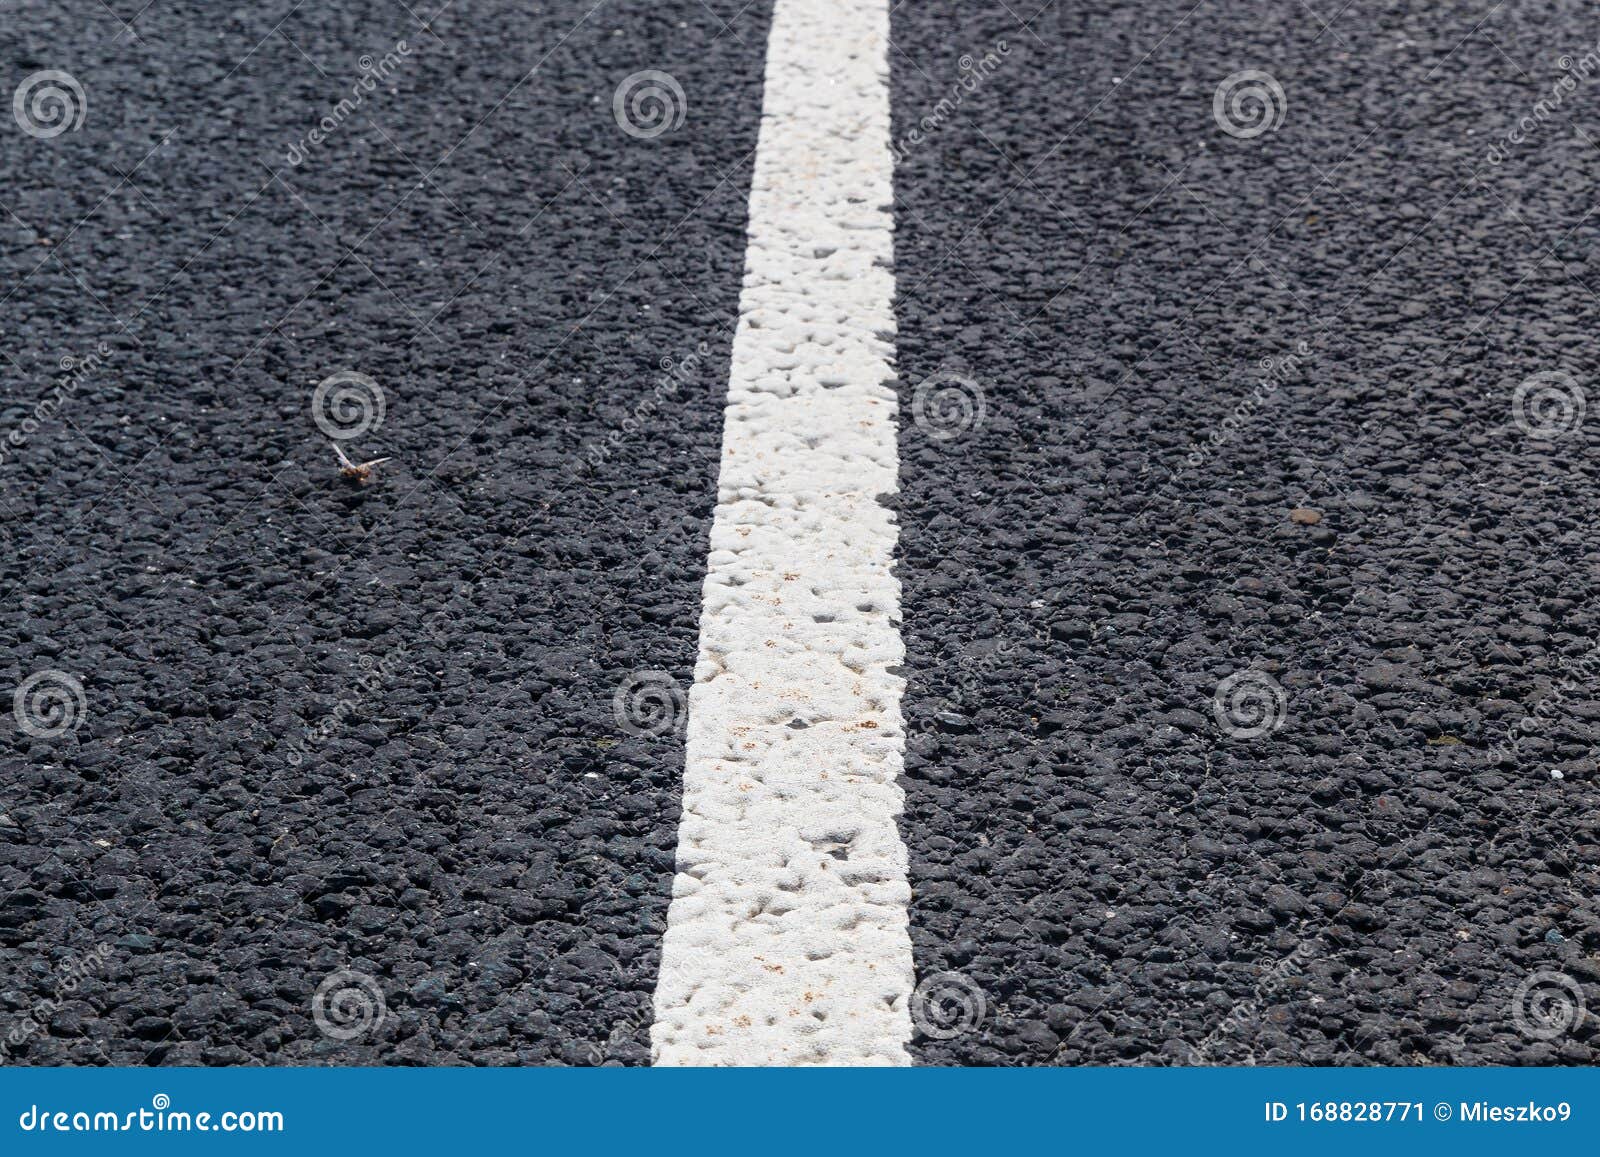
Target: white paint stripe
786	941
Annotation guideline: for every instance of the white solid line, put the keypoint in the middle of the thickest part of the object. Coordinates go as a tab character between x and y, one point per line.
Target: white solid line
786	940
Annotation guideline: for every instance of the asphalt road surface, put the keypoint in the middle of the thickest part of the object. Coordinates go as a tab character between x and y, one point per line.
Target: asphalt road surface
907	533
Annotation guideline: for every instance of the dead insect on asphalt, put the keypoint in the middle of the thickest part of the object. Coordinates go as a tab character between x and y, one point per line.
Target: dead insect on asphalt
358	472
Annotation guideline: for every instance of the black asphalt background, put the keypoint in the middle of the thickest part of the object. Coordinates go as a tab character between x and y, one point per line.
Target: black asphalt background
483	840
484	241
1123	882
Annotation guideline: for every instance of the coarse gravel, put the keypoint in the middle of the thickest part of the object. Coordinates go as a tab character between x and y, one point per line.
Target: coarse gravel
1081	244
465	826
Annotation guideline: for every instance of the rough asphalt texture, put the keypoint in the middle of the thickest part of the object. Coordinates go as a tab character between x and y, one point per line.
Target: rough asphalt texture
1125	883
478	835
1122	881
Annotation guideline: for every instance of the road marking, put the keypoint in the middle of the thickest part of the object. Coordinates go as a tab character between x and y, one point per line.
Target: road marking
786	939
